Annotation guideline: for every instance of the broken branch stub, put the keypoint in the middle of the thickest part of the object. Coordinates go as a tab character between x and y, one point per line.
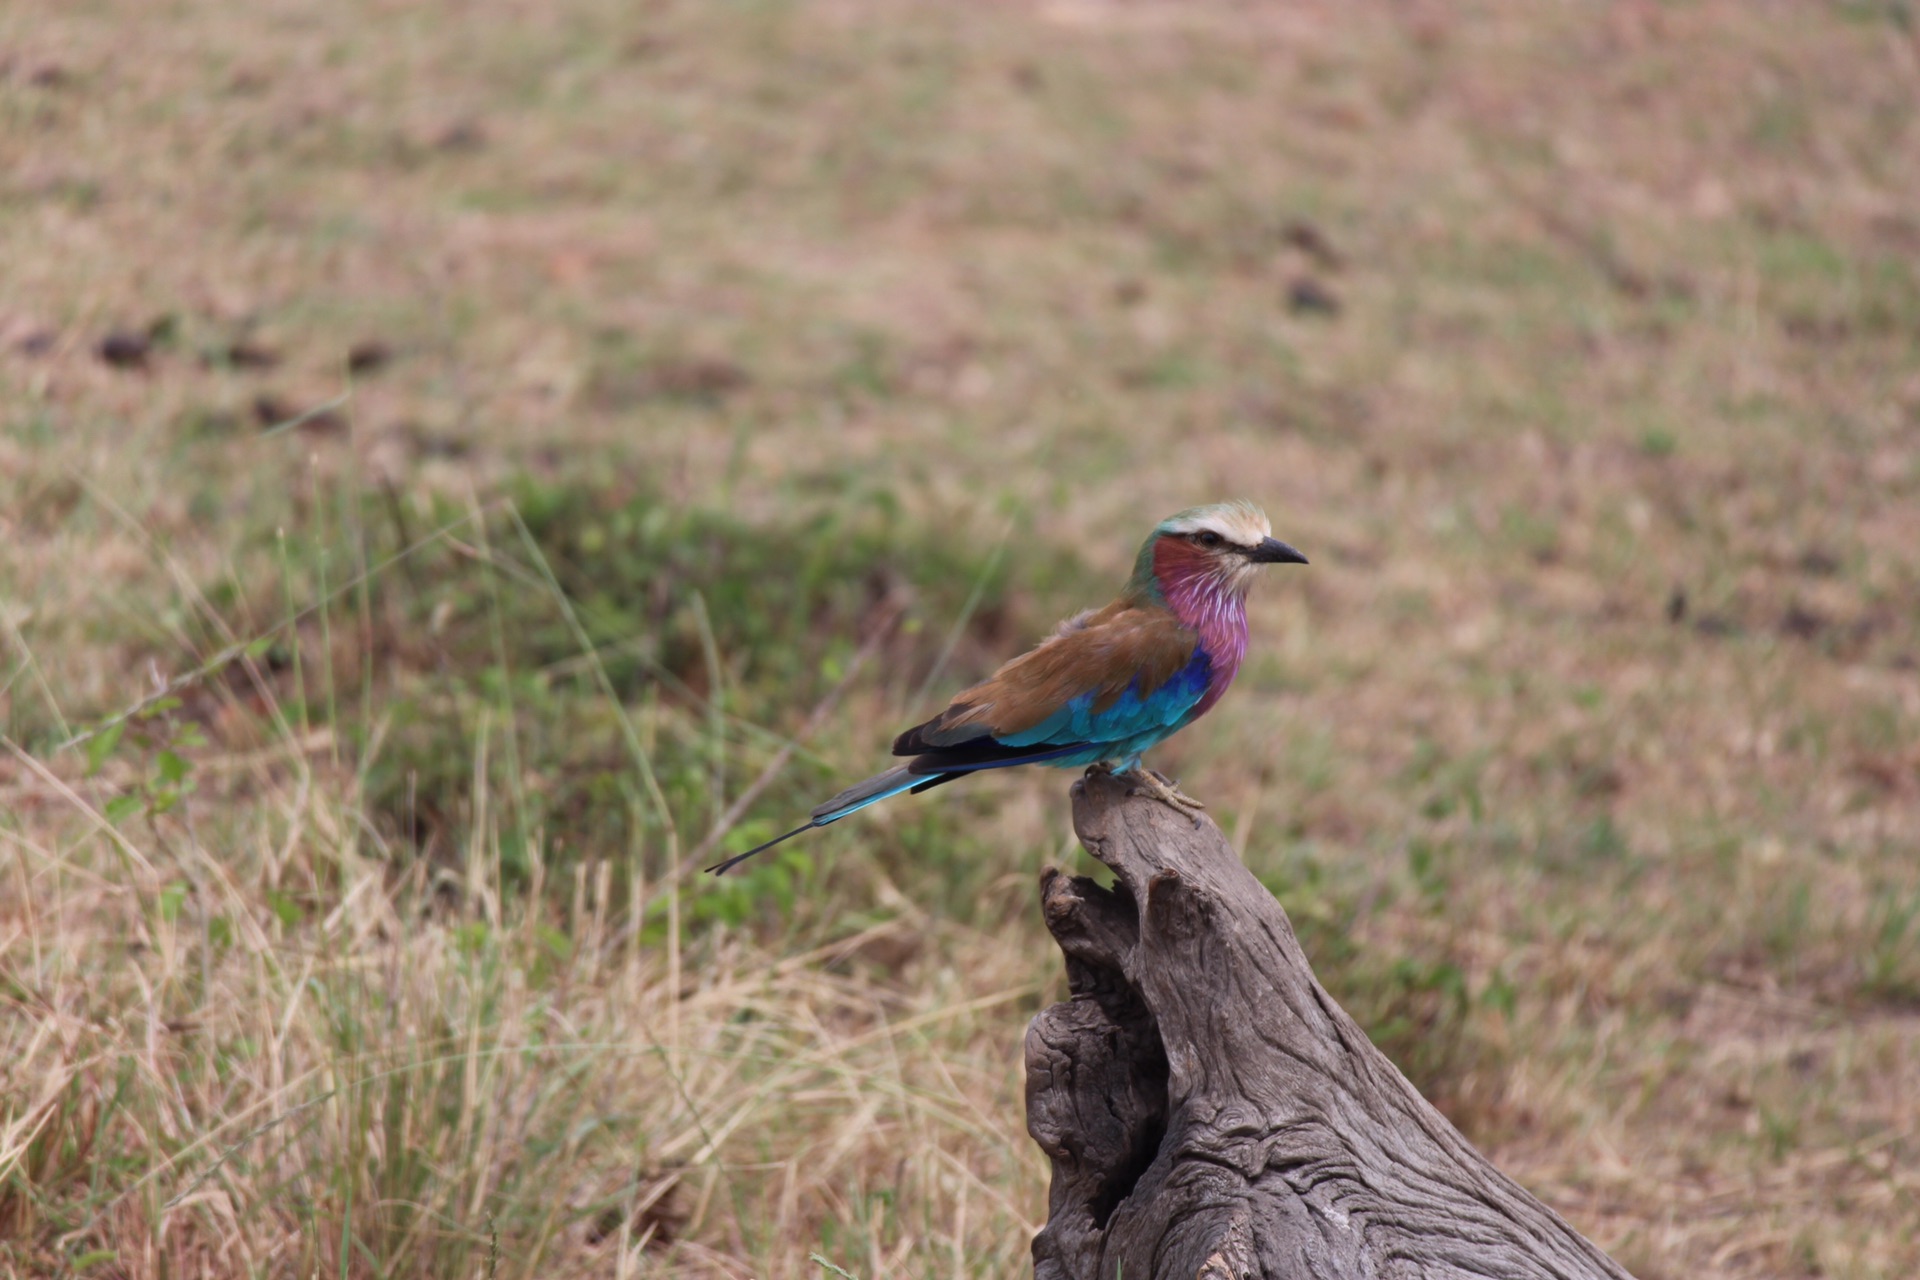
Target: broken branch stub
1212	1114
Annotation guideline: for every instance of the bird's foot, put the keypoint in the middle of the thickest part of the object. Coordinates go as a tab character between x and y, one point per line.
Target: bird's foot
1146	782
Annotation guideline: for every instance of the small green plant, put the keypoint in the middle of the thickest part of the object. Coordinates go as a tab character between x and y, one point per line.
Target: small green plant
157	742
1888	969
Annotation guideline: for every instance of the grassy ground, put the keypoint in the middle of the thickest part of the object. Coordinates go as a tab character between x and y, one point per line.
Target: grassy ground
461	466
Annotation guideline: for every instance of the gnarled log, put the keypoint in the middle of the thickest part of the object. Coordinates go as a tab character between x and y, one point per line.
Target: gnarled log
1212	1114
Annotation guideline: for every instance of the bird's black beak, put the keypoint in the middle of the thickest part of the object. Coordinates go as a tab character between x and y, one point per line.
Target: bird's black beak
1274	551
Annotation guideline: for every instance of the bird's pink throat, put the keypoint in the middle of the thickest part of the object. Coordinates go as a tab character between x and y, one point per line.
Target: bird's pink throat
1205	597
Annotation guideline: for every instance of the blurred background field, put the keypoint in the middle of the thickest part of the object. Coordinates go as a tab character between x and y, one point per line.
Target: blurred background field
462	465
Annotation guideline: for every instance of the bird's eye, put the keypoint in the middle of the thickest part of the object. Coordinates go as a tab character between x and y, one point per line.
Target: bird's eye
1207	538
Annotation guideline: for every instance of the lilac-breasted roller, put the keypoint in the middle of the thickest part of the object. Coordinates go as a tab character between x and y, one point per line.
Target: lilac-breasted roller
1108	683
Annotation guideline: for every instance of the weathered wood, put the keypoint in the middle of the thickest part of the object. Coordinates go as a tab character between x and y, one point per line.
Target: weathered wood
1212	1114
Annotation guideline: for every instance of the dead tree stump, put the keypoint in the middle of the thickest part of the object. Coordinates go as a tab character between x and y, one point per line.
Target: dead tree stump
1212	1114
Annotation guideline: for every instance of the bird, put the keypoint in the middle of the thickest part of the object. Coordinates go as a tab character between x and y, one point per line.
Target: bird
1108	684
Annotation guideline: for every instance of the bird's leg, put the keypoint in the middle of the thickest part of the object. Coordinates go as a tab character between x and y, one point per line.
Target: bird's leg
1145	782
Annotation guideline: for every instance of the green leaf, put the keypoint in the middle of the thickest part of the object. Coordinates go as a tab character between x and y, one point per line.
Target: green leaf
557	943
120	808
173	767
285	909
1501	995
259	648
171	899
101	745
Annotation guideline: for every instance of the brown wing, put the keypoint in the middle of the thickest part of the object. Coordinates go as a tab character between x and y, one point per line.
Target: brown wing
1100	653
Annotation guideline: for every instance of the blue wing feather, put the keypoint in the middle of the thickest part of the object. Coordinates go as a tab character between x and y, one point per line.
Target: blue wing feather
1077	734
1128	718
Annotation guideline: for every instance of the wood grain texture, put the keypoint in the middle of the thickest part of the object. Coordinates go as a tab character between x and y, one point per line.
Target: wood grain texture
1211	1113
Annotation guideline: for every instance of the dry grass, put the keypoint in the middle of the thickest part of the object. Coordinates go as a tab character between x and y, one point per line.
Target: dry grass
1576	345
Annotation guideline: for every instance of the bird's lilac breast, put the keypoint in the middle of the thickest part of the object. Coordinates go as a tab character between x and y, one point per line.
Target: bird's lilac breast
1220	676
1219	615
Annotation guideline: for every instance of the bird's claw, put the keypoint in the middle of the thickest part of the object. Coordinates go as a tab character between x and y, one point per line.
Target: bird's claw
1147	782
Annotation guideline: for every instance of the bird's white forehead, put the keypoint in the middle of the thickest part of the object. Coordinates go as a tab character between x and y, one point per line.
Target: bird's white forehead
1240	523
